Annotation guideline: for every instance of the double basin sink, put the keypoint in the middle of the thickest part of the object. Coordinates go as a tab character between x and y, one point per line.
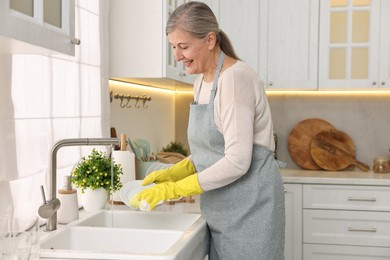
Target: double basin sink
124	234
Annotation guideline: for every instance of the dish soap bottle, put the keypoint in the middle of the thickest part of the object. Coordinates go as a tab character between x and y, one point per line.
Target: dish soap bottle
69	209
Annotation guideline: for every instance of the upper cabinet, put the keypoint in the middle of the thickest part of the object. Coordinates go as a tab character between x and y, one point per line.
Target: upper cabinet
289	43
240	20
37	26
354	44
139	49
312	44
278	39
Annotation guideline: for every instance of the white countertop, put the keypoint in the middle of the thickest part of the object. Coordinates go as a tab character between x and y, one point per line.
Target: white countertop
335	177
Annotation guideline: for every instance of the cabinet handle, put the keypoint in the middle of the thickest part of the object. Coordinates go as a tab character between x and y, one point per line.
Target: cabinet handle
271	83
75	41
383	83
374	83
361	199
182	74
353	229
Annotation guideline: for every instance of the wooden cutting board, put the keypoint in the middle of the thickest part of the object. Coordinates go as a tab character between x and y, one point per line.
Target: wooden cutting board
334	150
300	138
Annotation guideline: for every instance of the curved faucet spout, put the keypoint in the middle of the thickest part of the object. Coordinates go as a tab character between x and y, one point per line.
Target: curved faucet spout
51	223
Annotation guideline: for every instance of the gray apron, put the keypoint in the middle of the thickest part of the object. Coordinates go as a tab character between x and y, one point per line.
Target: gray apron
245	218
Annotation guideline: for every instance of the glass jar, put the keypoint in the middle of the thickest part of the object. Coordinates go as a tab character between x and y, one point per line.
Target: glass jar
381	165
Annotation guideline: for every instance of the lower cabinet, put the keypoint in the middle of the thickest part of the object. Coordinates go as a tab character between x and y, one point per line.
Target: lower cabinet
337	222
335	252
293	206
346	222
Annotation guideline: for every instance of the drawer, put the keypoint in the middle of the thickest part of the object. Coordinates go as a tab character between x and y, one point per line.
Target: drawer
330	252
346	197
360	228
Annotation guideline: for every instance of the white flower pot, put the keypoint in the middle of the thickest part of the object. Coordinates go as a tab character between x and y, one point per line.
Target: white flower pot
94	200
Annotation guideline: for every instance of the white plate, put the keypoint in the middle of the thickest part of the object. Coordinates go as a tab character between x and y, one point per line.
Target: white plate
130	189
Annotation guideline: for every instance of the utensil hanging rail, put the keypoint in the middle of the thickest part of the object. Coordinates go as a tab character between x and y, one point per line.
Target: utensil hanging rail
125	99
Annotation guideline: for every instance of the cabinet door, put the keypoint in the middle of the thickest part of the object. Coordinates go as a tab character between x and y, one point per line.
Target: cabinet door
368	228
174	70
332	252
349	44
37	26
289	43
293	206
384	59
240	21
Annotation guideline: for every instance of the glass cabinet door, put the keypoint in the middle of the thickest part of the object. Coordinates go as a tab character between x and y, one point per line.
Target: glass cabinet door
37	26
23	6
349	43
52	12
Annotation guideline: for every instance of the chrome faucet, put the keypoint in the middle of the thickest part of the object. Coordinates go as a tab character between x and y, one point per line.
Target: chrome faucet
49	209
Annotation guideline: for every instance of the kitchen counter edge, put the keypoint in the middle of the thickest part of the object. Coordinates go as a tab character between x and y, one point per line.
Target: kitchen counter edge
335	177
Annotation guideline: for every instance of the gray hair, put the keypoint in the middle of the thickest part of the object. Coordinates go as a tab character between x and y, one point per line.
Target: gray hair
198	19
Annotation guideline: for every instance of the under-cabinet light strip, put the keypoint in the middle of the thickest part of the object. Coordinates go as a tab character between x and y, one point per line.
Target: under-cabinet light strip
272	92
132	85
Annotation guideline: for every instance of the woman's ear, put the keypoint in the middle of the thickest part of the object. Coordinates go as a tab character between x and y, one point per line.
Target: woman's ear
211	40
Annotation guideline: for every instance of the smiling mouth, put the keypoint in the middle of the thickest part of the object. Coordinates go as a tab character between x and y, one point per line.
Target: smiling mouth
187	63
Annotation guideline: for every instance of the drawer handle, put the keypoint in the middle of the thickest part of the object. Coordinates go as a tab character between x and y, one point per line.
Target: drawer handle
352	229
361	199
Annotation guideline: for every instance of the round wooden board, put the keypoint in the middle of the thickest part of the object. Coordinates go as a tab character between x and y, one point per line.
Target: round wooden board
332	150
300	138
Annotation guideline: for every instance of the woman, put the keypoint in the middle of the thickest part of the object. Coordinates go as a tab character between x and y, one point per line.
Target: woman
231	143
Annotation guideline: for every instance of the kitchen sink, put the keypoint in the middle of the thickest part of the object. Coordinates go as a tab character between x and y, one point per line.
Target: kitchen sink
141	220
130	235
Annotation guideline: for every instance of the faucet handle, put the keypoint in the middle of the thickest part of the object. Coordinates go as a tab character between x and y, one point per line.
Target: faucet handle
43	194
49	207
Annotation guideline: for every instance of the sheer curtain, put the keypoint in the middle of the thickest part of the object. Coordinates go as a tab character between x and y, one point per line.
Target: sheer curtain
46	98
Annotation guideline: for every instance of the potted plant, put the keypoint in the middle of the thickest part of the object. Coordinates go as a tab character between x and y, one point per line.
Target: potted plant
175	147
92	175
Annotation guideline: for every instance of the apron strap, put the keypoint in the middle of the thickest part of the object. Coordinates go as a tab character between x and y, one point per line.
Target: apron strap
215	82
216	76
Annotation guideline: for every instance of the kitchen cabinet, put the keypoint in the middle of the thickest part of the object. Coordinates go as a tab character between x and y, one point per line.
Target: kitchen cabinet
240	20
280	40
288	47
354	44
139	49
37	26
340	220
308	45
293	229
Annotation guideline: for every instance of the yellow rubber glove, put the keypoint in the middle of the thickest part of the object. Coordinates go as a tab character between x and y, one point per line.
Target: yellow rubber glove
174	173
147	199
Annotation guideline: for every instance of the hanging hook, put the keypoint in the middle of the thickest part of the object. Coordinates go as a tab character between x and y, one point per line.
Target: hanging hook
111	95
121	104
128	104
136	102
144	99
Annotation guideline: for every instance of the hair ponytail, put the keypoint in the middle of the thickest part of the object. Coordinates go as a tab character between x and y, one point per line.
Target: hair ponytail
226	45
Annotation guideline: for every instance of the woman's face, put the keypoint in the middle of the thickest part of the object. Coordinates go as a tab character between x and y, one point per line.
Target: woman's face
193	52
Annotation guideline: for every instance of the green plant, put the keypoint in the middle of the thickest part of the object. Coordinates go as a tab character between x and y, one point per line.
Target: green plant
94	171
175	147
